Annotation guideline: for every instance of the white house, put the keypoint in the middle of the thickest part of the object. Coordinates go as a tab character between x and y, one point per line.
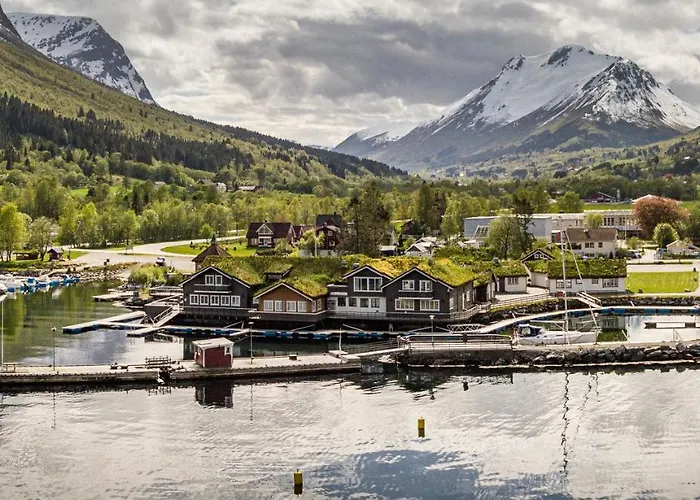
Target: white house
423	247
593	276
679	247
598	242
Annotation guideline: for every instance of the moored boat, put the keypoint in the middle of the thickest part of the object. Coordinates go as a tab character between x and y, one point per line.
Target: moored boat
528	334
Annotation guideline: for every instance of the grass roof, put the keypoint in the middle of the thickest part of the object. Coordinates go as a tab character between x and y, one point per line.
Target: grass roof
540	266
594	268
443	269
238	268
510	268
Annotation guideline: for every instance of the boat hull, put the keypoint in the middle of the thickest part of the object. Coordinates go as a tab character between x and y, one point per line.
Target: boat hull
549	338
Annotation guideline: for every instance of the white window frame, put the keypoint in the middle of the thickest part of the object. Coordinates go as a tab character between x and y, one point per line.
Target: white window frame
429	305
408	285
313	306
219	280
374	303
610	282
513	280
402	304
225	301
364	302
209	279
227	350
235	301
452	303
278	306
594	281
367	284
291	306
269	305
301	306
204	300
425	286
194	299
560	284
214	300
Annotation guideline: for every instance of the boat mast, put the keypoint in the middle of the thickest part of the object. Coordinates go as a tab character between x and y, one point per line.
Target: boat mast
562	235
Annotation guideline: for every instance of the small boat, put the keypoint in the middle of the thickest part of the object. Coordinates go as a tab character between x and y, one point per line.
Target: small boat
528	334
43	281
3	289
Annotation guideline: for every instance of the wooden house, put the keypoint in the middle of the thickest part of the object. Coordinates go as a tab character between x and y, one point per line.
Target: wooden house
269	234
55	254
213	293
213	353
293	300
360	294
330	227
212	250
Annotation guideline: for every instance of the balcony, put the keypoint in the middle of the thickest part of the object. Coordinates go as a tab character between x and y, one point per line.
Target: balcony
212	288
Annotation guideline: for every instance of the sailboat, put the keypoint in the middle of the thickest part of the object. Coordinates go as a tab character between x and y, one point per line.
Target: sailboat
528	334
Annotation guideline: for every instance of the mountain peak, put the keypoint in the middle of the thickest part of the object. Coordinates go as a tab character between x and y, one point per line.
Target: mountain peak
82	44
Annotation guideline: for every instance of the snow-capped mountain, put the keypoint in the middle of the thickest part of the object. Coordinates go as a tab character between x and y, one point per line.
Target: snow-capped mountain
7	30
568	99
82	44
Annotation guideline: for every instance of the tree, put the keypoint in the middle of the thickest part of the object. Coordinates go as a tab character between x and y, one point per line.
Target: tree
594	221
570	203
12	229
311	242
524	209
650	212
540	199
41	235
87	228
634	243
368	221
664	234
505	237
427	211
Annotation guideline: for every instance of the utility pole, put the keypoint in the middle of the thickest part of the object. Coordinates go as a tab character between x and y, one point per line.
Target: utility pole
53	334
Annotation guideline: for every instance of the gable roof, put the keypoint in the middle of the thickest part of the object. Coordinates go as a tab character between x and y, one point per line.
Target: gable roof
279	229
432	278
328	219
213	249
539	251
418	247
217	270
315	289
581	234
361	268
212	343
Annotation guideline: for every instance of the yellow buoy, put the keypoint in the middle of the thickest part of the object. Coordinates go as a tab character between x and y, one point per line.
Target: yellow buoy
421	427
298	483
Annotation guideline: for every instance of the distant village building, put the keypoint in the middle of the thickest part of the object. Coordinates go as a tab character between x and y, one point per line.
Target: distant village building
212	250
330	227
682	248
55	254
249	189
598	242
269	234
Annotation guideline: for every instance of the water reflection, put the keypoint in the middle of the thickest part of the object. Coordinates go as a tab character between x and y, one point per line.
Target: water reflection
218	394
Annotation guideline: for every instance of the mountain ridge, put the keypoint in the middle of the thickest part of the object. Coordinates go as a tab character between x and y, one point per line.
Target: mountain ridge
83	45
570	98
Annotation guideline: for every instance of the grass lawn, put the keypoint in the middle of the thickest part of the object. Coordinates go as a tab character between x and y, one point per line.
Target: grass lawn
241	250
662	282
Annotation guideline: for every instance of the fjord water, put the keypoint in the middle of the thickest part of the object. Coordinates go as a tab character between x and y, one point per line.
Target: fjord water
557	435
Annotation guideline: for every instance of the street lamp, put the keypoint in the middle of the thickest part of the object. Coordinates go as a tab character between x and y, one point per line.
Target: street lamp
432	331
53	334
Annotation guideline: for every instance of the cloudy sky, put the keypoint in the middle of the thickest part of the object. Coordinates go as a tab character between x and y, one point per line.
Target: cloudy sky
317	70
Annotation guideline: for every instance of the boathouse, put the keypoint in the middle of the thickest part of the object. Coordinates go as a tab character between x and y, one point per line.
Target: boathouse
213	353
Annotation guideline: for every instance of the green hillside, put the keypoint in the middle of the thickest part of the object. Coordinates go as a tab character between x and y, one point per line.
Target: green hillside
34	79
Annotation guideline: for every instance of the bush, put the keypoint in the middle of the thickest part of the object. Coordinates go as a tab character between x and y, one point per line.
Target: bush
148	275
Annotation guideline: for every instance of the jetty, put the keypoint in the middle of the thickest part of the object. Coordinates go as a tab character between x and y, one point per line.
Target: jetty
114	296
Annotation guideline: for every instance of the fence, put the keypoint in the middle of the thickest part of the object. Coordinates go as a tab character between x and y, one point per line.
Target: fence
373	347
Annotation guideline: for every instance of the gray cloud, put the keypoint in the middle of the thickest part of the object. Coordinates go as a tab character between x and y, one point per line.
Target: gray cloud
317	70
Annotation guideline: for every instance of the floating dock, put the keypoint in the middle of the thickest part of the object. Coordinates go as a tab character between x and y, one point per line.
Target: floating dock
113	296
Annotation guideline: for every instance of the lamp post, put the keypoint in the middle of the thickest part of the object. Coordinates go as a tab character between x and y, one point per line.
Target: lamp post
53	334
250	334
432	331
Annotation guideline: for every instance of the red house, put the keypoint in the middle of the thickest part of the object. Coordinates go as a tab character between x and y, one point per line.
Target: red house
213	353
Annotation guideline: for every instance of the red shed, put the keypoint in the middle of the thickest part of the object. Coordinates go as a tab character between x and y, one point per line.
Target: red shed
213	353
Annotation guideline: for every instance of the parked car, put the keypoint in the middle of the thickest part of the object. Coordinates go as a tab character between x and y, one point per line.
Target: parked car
160	261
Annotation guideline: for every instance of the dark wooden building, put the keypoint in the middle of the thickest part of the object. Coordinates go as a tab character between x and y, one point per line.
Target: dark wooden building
212	293
269	234
285	302
212	250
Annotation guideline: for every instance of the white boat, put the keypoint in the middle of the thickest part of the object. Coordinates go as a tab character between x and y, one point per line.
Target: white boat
43	281
11	283
528	334
3	289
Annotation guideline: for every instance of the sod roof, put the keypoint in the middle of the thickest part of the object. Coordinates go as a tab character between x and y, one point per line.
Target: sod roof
594	268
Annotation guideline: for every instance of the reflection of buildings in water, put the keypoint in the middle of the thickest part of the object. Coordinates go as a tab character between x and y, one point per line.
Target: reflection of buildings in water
419	381
219	393
605	322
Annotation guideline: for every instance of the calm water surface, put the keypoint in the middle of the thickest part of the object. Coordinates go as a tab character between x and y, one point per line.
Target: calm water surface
533	435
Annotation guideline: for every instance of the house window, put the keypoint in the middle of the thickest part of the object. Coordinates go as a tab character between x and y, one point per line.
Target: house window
590	244
235	301
452	303
568	283
513	280
600	244
313	306
194	300
368	284
320	304
204	300
342	302
426	286
404	305
374	303
278	306
291	306
214	300
301	306
560	284
209	279
219	280
594	281
353	302
225	301
408	285
579	281
269	305
227	351
609	282
364	302
429	305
